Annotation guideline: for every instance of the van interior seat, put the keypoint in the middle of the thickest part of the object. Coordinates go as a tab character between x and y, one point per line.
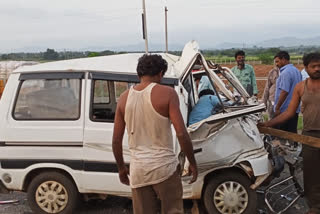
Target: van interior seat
53	103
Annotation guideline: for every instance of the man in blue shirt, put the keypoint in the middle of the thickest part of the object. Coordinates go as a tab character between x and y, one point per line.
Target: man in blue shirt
288	78
207	103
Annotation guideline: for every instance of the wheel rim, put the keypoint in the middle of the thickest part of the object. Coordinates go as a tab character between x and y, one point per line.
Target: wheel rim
230	197
51	197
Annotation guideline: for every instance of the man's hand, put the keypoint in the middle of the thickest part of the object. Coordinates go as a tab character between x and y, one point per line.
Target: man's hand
194	171
124	175
265	124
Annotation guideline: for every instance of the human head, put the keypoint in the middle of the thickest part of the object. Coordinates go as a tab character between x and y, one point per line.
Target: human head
311	63
151	65
240	57
281	59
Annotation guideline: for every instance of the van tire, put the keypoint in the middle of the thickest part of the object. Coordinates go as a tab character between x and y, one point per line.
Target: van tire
242	197
54	189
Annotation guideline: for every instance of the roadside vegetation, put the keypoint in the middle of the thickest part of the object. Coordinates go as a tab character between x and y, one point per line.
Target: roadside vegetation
265	55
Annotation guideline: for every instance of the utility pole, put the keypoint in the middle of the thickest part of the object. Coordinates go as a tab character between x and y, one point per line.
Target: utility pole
144	21
166	26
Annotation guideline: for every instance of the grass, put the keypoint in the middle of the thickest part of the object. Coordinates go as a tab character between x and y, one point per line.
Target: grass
300	123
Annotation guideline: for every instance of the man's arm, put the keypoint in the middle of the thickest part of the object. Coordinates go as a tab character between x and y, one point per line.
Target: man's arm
118	131
284	84
290	112
254	83
282	98
182	134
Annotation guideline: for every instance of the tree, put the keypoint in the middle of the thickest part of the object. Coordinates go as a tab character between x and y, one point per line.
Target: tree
93	54
266	58
50	54
4	57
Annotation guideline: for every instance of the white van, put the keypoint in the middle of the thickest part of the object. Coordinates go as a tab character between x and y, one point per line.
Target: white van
56	122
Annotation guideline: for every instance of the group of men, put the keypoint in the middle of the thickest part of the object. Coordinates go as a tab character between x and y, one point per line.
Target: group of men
287	92
148	109
291	95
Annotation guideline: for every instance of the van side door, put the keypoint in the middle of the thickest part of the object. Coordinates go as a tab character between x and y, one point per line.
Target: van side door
100	169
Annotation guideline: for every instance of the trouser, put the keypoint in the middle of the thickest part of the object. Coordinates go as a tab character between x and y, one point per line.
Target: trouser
311	173
290	125
169	192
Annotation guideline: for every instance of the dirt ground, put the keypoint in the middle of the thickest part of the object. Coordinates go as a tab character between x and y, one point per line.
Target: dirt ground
262	71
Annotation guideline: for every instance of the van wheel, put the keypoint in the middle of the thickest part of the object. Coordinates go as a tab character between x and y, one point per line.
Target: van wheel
230	192
52	192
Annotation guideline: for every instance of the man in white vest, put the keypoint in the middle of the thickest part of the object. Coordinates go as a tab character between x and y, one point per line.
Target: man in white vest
147	111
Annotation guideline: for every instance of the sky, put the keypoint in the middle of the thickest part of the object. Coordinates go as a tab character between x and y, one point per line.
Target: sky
106	24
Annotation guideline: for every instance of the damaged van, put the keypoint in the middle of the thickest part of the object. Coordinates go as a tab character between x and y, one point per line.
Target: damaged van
56	123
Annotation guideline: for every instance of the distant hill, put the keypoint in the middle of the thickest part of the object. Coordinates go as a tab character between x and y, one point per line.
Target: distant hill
228	45
290	42
152	47
279	42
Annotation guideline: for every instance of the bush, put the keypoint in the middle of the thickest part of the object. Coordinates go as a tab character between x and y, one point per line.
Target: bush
266	58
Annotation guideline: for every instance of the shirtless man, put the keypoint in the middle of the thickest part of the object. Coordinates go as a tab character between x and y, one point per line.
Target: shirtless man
308	92
147	111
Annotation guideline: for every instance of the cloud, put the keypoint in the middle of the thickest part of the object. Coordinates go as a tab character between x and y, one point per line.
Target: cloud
80	23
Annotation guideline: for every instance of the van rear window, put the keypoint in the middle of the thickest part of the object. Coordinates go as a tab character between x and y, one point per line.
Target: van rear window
48	99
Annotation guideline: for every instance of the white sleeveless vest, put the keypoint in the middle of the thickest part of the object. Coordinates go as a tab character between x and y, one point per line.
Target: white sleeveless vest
150	140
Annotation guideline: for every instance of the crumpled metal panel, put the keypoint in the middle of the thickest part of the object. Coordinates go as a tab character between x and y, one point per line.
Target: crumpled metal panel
236	141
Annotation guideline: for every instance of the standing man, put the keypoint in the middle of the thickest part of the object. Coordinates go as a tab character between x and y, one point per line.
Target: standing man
308	92
270	90
147	111
245	74
289	77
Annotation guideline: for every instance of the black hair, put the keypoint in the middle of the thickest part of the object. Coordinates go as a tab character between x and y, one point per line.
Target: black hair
239	53
282	55
151	65
198	76
311	57
206	92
